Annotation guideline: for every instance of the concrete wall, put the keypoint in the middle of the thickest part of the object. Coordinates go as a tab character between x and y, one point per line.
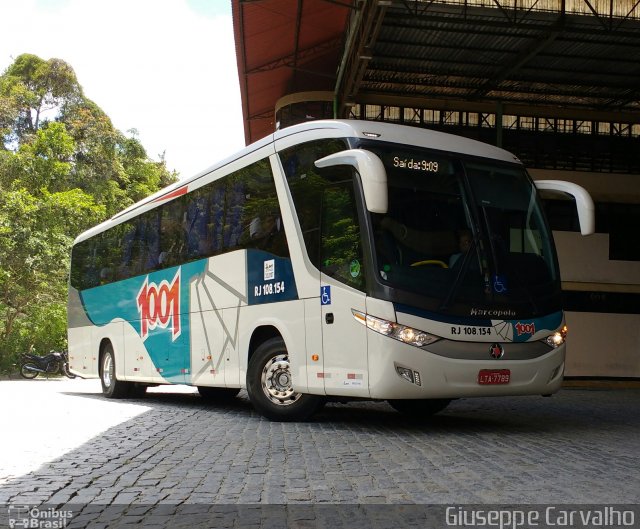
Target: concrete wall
600	344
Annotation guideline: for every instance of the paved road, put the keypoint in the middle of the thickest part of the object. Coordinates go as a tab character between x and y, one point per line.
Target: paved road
63	443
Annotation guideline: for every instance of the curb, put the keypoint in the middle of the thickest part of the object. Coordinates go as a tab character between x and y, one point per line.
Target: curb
601	383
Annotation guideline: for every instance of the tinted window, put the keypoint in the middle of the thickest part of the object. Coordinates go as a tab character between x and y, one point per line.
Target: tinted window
461	232
307	184
341	251
239	211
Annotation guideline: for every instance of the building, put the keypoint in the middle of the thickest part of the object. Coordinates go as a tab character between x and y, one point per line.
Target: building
557	82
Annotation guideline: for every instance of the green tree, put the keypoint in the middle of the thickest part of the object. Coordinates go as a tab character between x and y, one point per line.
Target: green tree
51	134
35	236
44	162
33	87
63	168
141	177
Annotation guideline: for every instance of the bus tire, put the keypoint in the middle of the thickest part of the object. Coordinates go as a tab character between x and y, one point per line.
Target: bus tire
269	385
136	389
213	394
419	407
112	388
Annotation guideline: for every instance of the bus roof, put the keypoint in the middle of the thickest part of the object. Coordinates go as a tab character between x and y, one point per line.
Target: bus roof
404	134
387	132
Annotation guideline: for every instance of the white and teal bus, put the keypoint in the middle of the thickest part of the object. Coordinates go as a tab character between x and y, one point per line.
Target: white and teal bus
330	260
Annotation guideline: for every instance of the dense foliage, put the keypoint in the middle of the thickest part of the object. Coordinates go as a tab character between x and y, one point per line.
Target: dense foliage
63	168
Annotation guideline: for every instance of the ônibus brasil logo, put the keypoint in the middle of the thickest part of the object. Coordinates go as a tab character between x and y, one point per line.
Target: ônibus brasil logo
159	306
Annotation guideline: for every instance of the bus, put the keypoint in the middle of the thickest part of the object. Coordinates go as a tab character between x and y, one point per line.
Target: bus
332	260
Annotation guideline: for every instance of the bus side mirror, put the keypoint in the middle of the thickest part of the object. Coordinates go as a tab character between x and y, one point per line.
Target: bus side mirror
372	173
584	203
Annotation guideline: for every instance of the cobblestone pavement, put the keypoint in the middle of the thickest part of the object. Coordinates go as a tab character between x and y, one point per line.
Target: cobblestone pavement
580	446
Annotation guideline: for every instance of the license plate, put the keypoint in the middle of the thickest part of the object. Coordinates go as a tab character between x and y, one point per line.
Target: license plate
494	377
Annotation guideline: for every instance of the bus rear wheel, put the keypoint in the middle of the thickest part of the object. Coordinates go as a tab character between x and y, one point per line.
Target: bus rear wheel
270	387
112	388
419	407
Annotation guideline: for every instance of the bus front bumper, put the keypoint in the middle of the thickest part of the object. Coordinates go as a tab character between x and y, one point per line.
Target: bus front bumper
400	371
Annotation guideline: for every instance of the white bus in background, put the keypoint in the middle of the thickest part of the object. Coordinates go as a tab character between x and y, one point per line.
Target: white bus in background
334	259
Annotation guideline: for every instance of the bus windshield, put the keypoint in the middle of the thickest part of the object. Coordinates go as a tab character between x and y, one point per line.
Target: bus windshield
464	232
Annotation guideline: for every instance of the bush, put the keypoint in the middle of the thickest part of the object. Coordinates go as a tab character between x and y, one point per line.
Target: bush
44	328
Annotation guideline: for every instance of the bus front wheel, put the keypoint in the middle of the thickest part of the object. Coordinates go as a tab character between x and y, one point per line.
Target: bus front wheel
112	388
270	387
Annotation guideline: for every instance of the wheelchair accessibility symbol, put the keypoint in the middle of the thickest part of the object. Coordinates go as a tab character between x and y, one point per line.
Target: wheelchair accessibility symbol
325	295
499	284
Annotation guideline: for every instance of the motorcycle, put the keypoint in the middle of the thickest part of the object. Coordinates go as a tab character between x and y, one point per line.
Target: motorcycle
31	365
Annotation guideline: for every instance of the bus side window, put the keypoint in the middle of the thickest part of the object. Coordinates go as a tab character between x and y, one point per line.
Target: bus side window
150	237
133	244
259	224
233	222
341	251
196	226
172	245
216	204
85	265
306	183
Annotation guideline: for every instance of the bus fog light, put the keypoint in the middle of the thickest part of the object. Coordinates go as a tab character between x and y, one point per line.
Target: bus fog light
409	375
554	373
405	373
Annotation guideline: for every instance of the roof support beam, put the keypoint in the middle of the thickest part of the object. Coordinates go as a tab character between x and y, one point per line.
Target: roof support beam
405	45
292	59
365	26
606	15
511	109
296	45
434	21
341	4
411	71
241	55
523	57
385	72
460	87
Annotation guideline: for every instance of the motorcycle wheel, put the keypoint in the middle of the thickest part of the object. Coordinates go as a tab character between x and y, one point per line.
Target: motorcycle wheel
66	372
25	372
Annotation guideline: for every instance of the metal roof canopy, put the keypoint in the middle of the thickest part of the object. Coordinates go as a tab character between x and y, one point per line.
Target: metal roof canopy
282	47
576	59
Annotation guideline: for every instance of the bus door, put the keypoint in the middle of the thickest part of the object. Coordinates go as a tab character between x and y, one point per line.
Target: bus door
344	339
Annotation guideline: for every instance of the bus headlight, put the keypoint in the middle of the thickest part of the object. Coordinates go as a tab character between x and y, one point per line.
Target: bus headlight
557	338
394	330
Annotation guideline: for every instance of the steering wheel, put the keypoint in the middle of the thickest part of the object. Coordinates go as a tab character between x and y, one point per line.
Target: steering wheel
435	262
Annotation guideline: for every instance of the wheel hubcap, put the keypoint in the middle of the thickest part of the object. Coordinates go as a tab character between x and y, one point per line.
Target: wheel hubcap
107	368
276	381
